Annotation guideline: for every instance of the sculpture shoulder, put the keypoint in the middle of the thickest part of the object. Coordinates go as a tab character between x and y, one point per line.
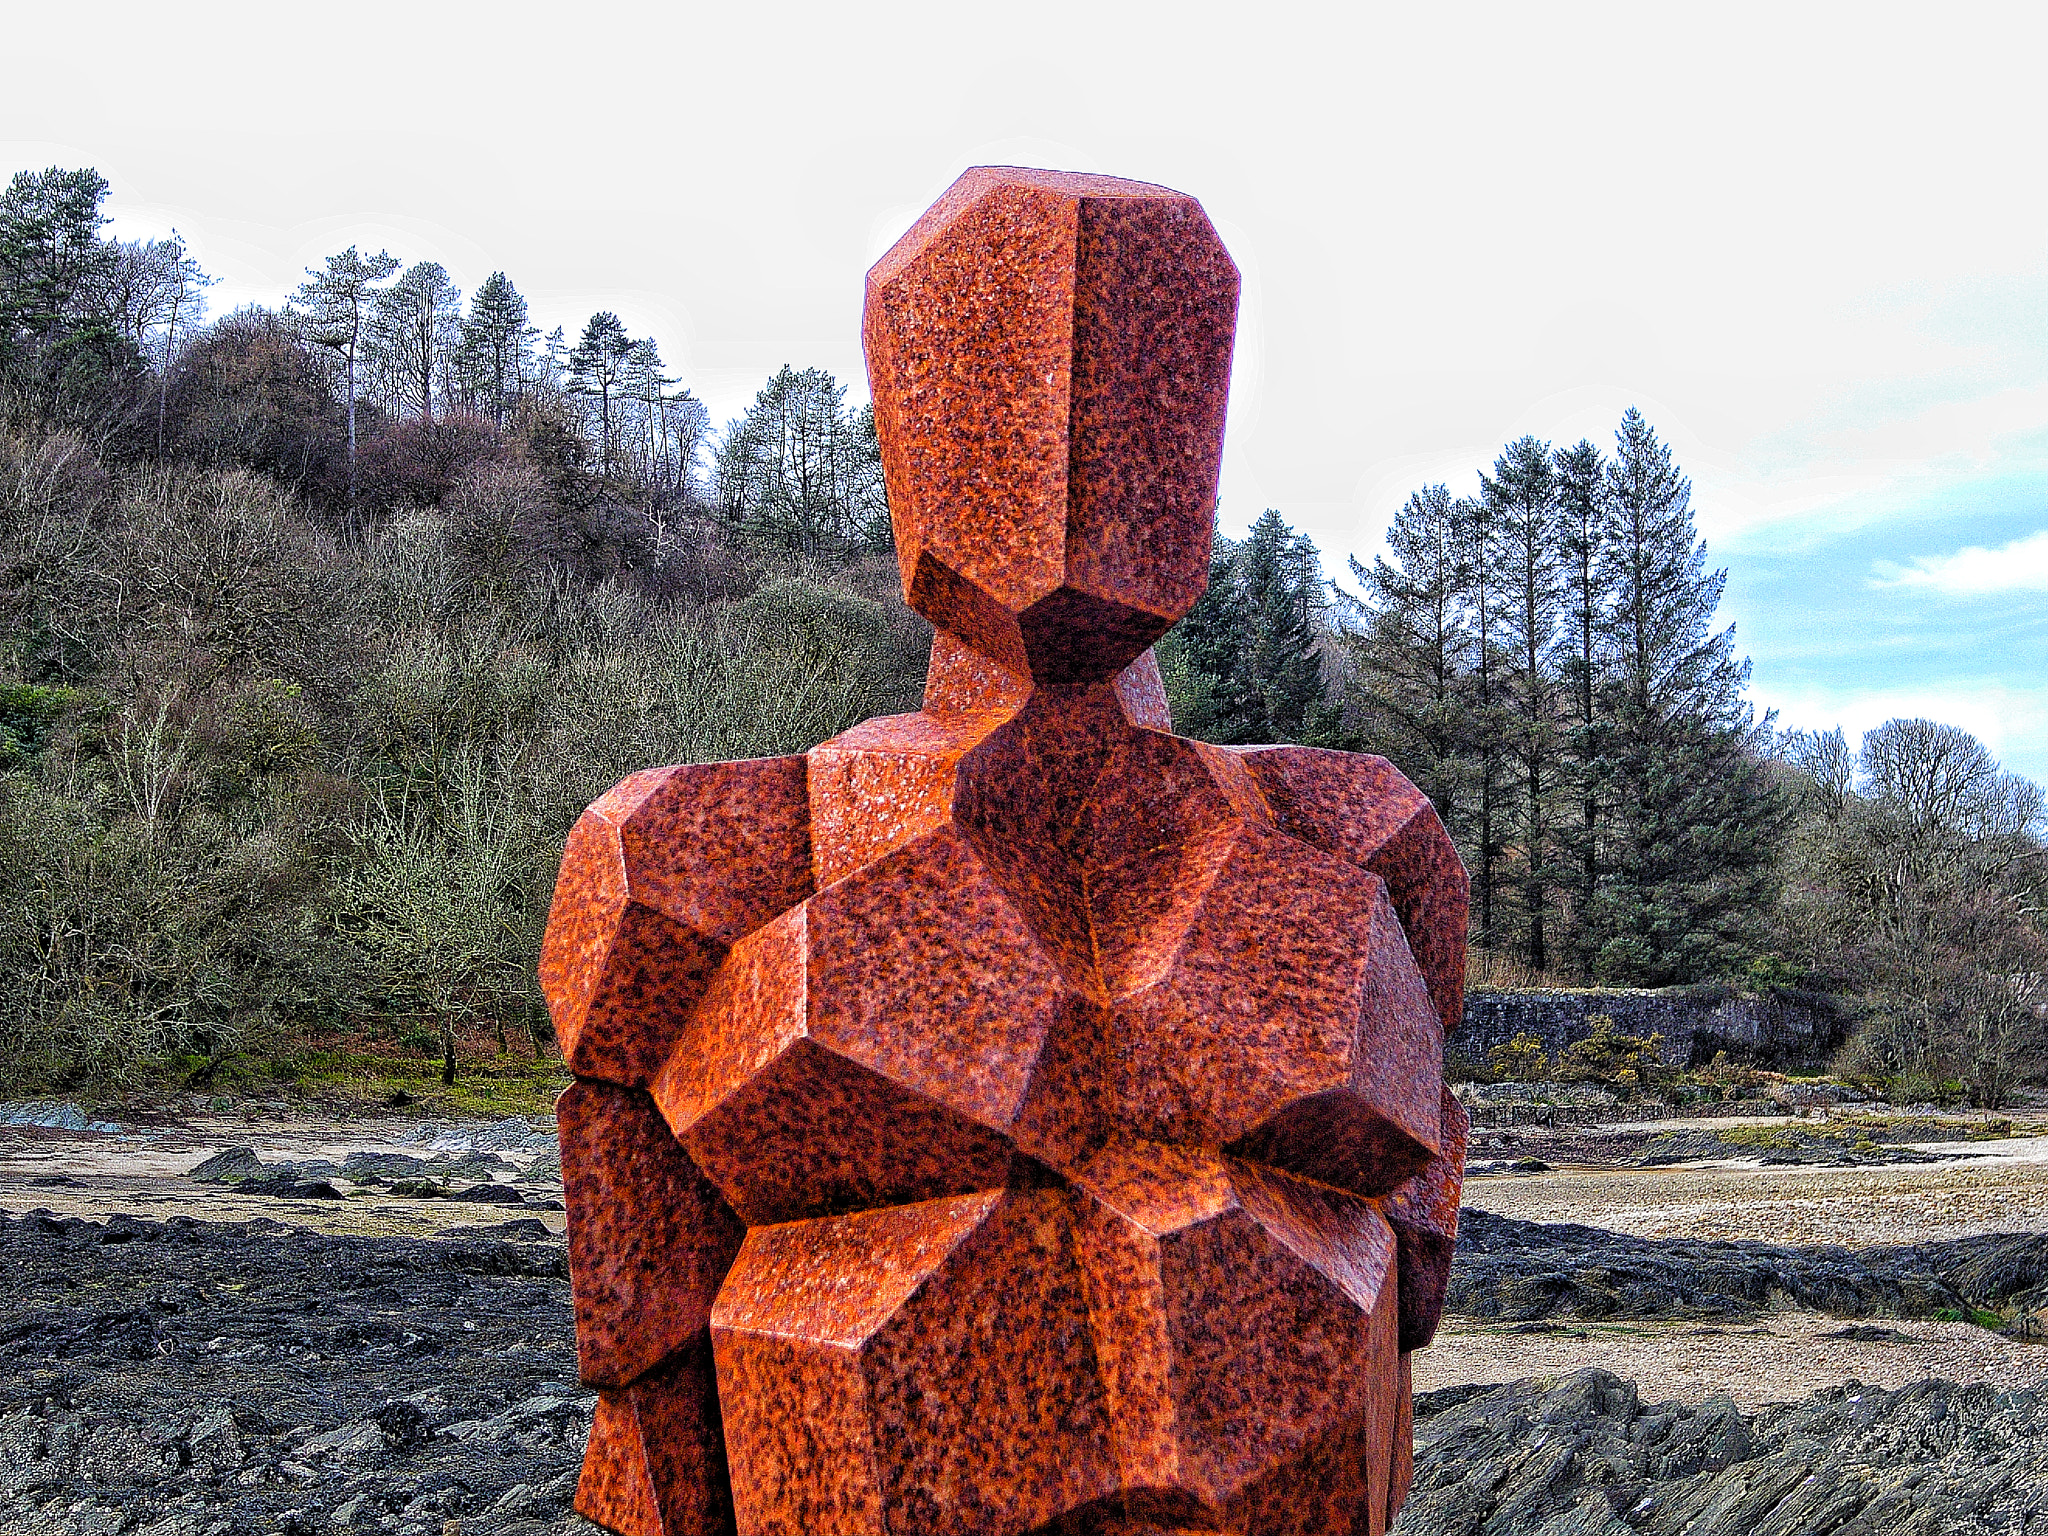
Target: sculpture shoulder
660	876
1350	804
1364	810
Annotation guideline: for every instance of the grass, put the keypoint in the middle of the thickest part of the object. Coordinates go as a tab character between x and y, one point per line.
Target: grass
1862	1131
353	1073
1975	1315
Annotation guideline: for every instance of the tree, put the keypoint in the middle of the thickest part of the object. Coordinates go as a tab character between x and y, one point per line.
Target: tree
1582	567
155	292
336	304
1245	660
1476	528
1695	816
597	368
1521	505
496	341
417	325
1411	660
799	469
59	349
1916	876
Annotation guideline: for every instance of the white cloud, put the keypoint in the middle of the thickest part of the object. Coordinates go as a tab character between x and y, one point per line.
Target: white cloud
2012	722
2021	566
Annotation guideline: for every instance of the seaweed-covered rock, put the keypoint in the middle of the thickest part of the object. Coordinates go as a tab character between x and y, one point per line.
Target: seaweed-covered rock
1522	1271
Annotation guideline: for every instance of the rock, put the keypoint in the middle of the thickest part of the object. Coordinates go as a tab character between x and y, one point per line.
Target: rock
52	1115
1801	1096
359	1167
223	1322
1584	1455
405	1425
230	1167
1522	1271
545	1169
489	1194
120	1453
214	1444
356	1439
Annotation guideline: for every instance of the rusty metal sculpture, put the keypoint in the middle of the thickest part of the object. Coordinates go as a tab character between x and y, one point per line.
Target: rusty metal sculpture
1012	1117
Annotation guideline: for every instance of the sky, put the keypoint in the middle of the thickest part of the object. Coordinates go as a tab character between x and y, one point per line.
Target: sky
1809	242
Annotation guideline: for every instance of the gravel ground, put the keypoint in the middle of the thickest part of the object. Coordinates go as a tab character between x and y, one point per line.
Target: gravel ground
2006	1190
1776	1360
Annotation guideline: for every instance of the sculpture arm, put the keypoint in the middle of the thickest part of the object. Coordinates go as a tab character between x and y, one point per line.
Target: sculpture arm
660	877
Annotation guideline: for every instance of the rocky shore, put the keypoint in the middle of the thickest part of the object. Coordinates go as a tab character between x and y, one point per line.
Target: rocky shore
1525	1271
1585	1457
366	1330
185	1378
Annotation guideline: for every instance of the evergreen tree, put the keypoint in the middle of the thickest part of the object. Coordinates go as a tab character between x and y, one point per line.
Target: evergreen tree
495	341
1694	815
1521	504
417	325
1477	534
60	351
597	368
1245	660
335	306
1411	660
799	469
1581	524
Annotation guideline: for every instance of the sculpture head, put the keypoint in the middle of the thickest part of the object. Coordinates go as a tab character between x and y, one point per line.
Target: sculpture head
1049	355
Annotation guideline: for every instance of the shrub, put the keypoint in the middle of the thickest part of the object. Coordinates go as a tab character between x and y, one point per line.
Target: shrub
1521	1060
1609	1056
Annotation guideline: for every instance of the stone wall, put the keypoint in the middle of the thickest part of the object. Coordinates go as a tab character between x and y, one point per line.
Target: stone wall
1779	1028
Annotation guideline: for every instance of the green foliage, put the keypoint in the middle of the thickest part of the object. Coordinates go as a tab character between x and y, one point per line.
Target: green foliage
1542	658
1244	665
1520	1060
267	783
802	473
1608	1056
29	713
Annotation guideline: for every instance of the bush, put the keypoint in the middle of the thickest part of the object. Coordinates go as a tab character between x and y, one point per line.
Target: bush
1611	1057
247	393
1521	1060
418	463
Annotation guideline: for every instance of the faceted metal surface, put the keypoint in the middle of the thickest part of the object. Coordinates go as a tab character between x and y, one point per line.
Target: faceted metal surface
1012	1118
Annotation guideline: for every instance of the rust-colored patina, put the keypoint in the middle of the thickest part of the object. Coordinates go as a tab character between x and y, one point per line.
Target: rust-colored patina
1012	1118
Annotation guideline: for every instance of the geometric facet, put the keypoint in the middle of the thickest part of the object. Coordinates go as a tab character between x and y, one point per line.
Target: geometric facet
1052	487
659	876
938	1353
649	1238
1011	1119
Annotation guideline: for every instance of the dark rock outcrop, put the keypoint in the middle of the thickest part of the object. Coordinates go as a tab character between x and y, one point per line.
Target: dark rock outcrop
1523	1271
1583	1456
1775	1028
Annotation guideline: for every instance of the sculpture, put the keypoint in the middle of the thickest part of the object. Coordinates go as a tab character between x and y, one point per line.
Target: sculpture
1012	1118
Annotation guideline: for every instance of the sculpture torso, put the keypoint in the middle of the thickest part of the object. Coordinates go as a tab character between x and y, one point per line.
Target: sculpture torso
1012	1117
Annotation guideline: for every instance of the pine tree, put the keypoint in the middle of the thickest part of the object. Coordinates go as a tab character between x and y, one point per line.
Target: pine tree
1521	502
1581	524
417	323
1476	530
495	341
799	469
335	306
59	347
1247	654
1411	658
597	367
1694	814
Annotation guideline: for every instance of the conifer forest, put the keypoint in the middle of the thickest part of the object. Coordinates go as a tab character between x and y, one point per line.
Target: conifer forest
319	625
